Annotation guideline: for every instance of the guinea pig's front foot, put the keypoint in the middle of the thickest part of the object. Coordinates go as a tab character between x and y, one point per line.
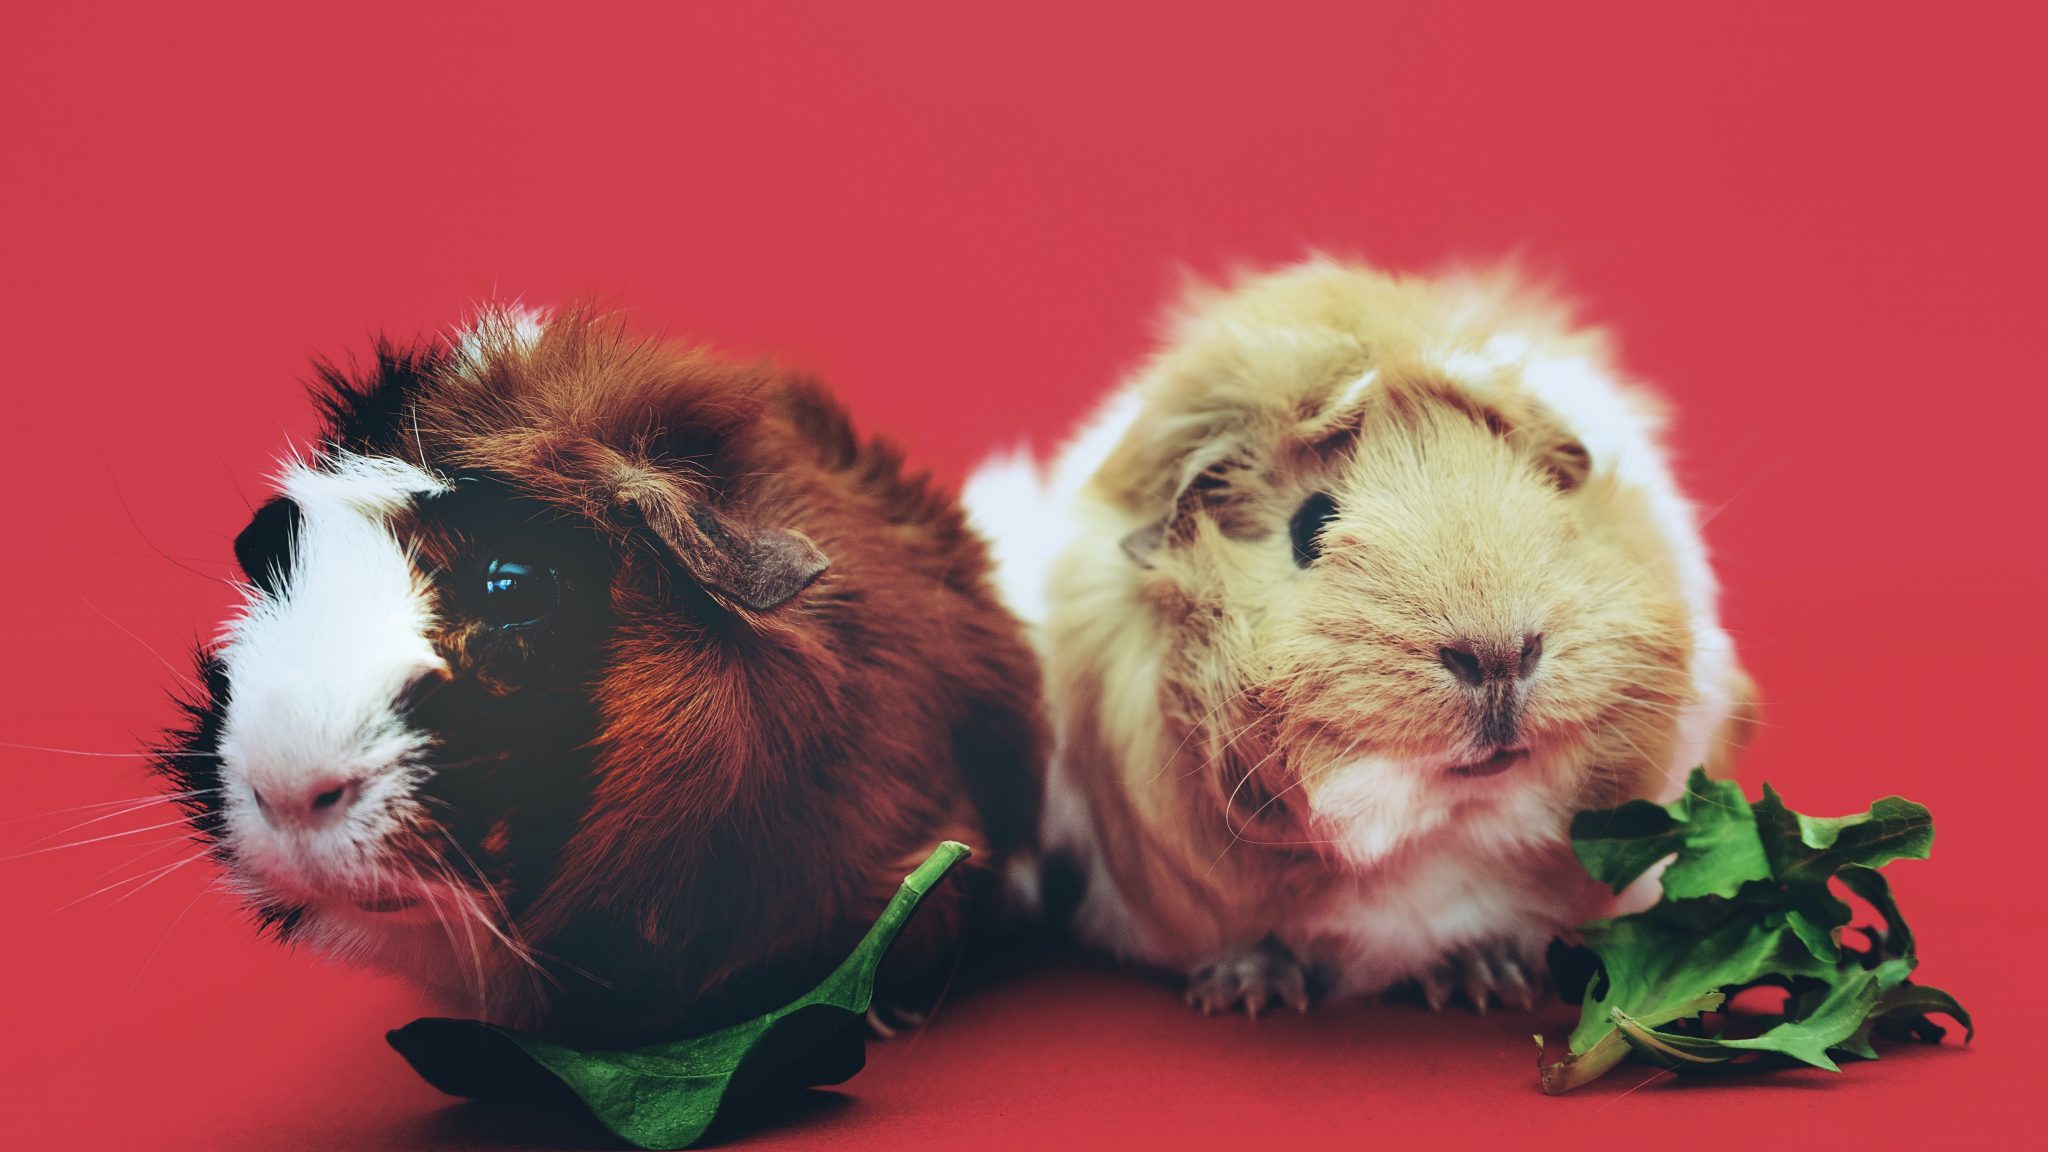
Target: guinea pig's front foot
1257	977
1498	970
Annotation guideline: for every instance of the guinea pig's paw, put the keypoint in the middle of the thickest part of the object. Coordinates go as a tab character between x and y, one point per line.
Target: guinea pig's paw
1497	970
886	1021
1257	977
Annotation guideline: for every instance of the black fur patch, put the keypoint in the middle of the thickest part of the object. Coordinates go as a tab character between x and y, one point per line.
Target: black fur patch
366	410
264	548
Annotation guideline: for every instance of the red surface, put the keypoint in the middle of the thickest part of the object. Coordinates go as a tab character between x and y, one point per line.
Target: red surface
1819	229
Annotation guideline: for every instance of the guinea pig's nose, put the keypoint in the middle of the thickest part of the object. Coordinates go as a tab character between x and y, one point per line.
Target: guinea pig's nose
1479	662
324	800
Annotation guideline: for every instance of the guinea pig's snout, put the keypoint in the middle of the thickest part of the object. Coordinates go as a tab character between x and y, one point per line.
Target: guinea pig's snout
1480	661
315	803
1493	672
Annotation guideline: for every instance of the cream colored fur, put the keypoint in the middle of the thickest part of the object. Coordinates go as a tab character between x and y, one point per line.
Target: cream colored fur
1247	748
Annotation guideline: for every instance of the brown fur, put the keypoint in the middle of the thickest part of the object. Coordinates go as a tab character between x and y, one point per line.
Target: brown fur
770	758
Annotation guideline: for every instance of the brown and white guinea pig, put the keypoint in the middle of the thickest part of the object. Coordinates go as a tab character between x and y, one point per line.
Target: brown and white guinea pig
604	688
1348	602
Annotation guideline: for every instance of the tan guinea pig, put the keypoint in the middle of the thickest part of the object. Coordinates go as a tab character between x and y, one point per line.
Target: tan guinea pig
1349	601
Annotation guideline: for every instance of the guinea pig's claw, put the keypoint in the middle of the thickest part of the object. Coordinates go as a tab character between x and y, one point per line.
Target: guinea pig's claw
1436	986
1513	986
1257	977
1484	973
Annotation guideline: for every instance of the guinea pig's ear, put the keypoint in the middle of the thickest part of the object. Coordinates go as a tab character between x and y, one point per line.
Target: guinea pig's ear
1208	481
1555	450
1143	545
734	559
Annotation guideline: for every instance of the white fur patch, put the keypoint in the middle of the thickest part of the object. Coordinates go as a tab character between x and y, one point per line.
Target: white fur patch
1395	924
497	330
316	671
1356	390
1375	805
1006	506
1436	869
1027	515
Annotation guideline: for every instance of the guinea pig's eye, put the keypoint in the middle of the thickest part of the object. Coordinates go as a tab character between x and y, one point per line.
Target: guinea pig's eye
518	593
1306	530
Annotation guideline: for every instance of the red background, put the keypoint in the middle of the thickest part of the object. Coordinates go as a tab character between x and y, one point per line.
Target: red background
1816	228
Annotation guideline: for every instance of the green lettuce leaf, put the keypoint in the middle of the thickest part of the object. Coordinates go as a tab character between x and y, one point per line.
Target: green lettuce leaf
1870	884
666	1095
1835	1020
1808	850
1747	903
1710	830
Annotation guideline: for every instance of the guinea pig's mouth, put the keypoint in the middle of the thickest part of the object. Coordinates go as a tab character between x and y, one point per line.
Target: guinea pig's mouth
1493	763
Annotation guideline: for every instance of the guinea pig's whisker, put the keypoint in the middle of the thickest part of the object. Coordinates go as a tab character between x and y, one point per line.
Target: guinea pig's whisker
419	442
1677	630
1653	707
1599	663
160	873
1196	728
130	808
1614	645
470	861
181	673
138	754
1332	765
518	951
219	458
465	762
507	936
145	879
1709	518
128	510
158	949
458	895
555	958
1756	720
34	851
440	914
1597	772
1242	780
515	942
1230	801
1621	734
209	888
126	806
154	556
1237	836
1223	749
152	850
1668	711
476	951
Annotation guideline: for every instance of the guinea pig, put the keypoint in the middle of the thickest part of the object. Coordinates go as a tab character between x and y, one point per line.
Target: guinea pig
606	689
1348	602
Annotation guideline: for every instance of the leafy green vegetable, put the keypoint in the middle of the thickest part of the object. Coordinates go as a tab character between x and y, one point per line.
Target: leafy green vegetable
666	1095
1711	829
1747	903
